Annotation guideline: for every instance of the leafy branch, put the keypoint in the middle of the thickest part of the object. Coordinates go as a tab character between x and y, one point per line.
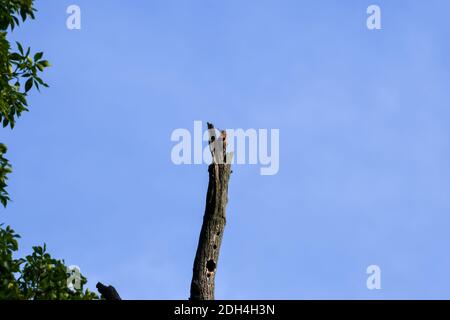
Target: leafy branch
5	169
19	73
37	276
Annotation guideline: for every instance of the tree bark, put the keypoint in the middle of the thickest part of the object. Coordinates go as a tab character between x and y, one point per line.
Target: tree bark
214	219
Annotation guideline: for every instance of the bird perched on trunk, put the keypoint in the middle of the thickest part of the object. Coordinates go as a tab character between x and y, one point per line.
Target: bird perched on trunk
223	139
217	146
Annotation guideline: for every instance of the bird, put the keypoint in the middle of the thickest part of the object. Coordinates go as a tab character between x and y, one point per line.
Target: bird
108	292
223	138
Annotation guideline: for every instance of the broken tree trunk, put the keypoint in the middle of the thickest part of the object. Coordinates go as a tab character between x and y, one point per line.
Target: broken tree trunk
207	256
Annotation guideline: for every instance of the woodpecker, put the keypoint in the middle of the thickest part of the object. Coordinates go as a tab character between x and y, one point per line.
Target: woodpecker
223	137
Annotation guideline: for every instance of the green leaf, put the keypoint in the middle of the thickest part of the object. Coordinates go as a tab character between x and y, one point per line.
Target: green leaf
38	56
45	63
28	84
20	47
23	14
15	57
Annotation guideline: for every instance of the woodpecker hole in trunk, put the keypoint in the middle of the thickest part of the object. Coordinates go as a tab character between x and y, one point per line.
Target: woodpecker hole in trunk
211	265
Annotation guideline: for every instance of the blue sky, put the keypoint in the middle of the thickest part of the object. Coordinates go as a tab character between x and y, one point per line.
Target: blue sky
364	145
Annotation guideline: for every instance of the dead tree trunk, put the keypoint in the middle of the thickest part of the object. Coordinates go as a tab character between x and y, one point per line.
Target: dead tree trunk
207	256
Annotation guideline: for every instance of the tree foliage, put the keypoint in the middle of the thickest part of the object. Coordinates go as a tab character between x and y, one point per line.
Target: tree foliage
19	73
19	69
5	169
38	275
